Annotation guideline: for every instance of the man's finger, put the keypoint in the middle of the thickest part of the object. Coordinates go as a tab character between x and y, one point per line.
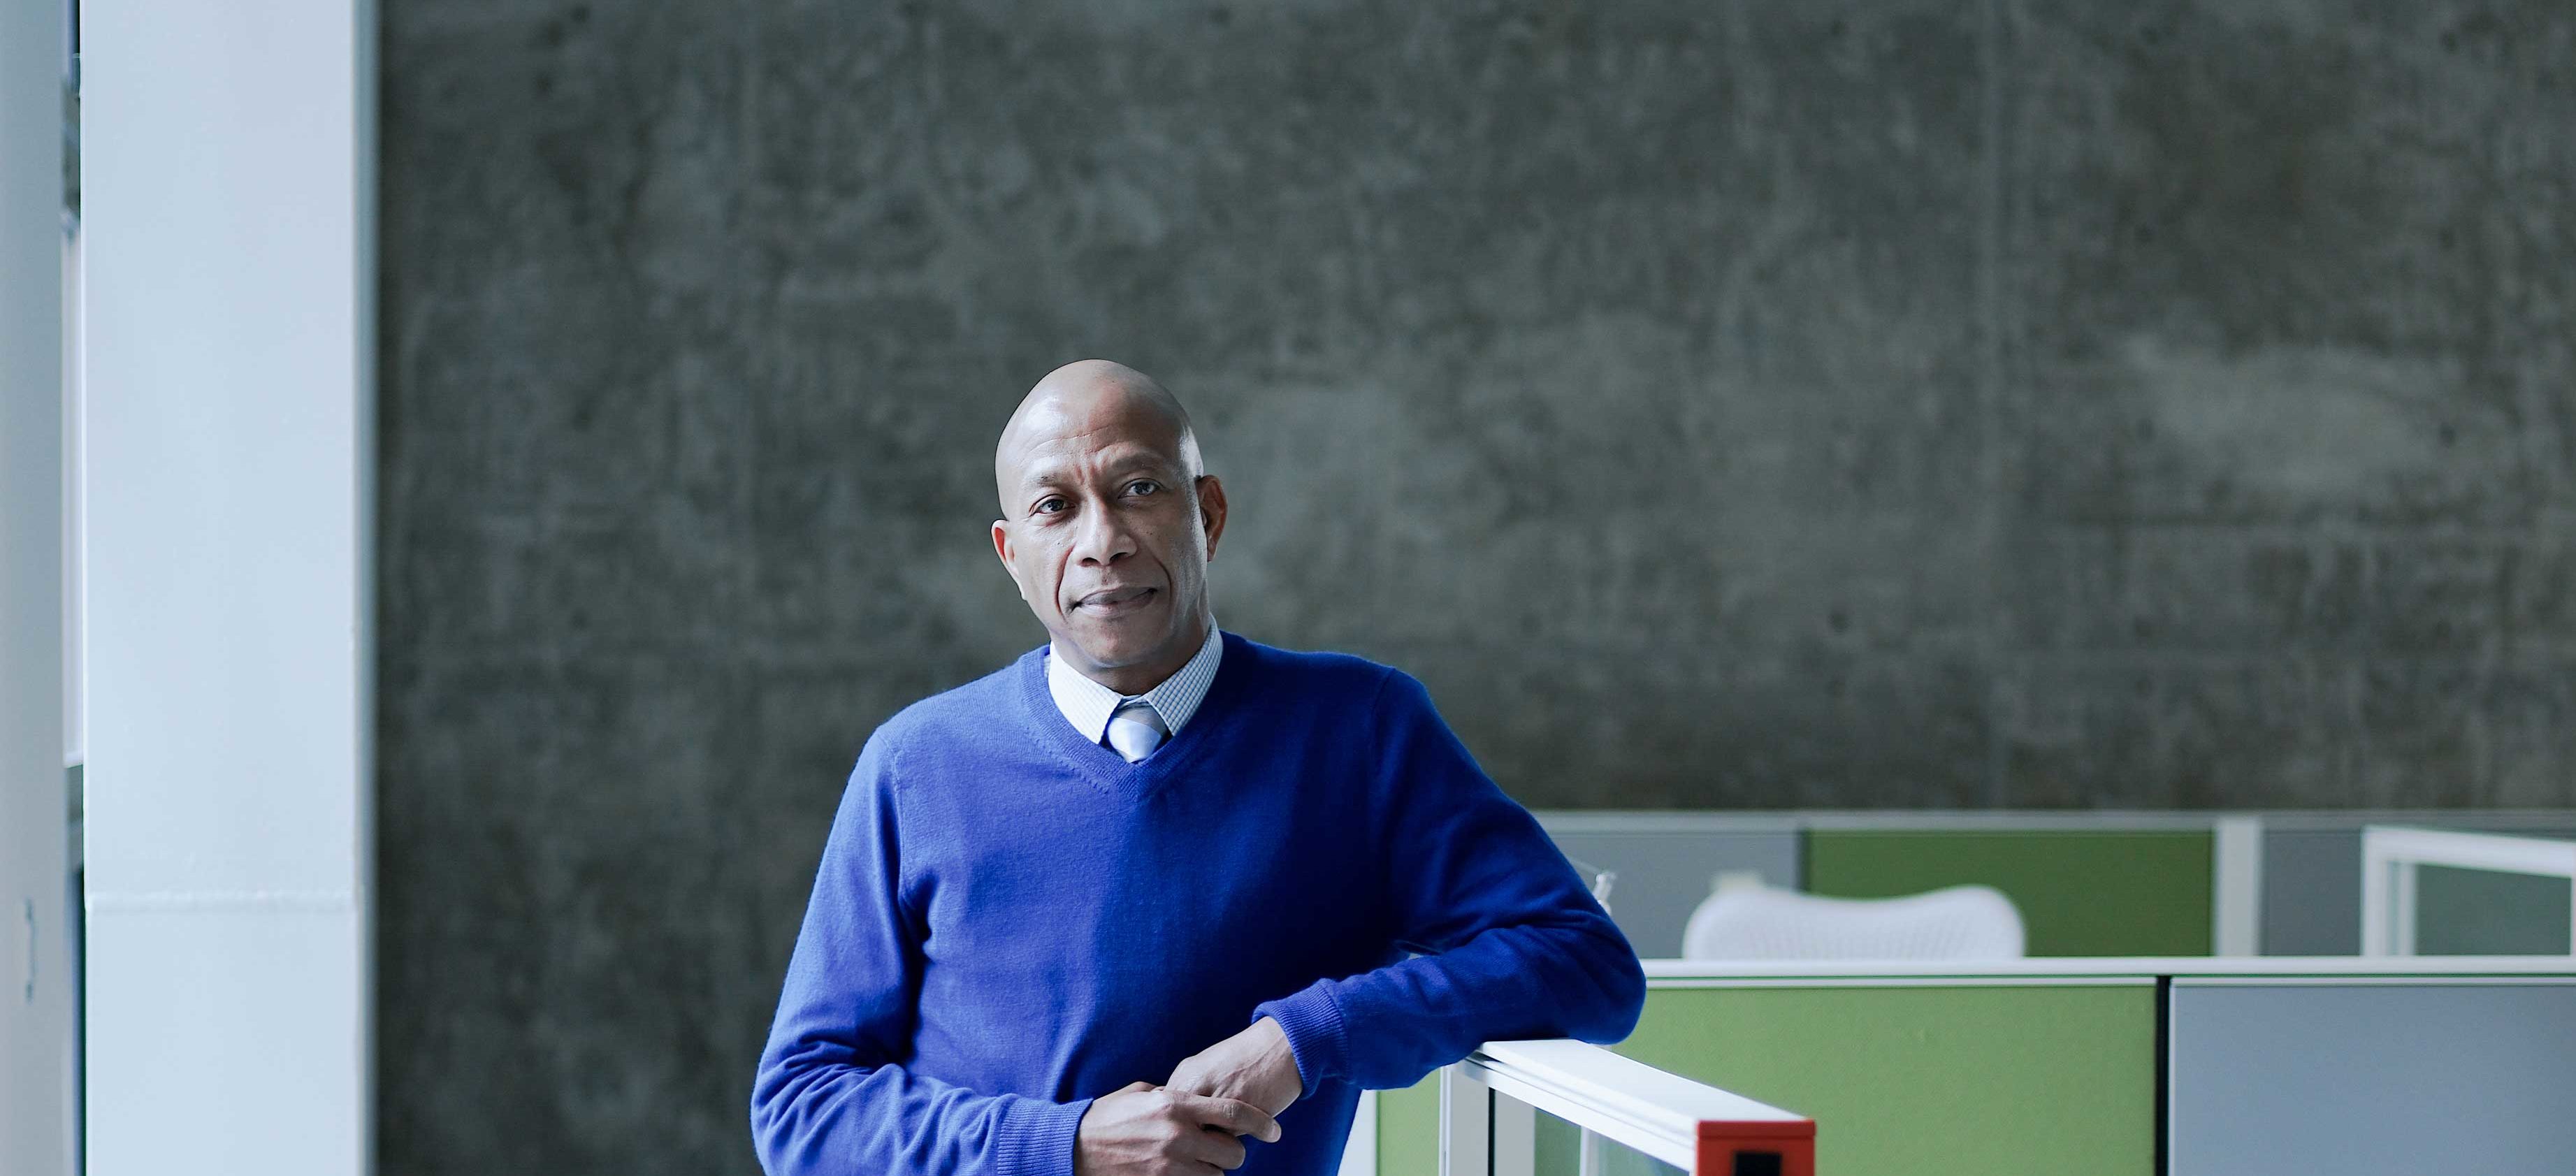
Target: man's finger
1240	1118
1213	1146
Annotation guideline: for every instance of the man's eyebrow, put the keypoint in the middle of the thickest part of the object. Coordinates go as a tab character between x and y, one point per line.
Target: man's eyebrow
1058	475
1044	474
1145	457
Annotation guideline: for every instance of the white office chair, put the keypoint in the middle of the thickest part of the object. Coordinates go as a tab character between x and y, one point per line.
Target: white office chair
1756	922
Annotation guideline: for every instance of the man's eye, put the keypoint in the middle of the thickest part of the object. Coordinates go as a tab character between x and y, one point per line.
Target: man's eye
1144	486
1050	505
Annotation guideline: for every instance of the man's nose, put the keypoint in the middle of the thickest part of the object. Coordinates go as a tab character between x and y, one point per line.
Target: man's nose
1104	540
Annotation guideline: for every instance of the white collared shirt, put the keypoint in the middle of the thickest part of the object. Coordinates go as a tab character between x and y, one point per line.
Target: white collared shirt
1088	705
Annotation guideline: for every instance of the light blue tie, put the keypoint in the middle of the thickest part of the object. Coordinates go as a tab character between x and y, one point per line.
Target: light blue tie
1135	731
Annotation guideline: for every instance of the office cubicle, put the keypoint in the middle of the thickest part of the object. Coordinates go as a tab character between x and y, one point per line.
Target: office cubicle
2087	883
2120	1066
2127	1046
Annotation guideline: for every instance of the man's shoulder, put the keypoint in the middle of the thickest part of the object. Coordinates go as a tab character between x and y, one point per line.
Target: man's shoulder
1329	674
958	711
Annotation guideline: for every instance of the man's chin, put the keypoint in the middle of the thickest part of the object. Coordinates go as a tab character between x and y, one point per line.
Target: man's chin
1117	650
1111	657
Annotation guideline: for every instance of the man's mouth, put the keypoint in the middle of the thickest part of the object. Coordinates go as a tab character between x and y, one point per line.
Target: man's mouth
1113	601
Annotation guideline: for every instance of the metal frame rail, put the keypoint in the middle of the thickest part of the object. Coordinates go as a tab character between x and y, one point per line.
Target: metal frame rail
1489	1104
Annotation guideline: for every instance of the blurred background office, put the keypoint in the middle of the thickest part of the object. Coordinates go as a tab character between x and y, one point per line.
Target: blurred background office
1779	407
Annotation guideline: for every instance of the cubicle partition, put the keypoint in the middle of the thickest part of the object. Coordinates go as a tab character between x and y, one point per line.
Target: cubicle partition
2086	883
2512	889
2139	889
2124	1047
2312	893
2119	1067
1998	1075
2363	1075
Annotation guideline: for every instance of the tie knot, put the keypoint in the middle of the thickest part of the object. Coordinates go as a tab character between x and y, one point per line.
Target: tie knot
1135	730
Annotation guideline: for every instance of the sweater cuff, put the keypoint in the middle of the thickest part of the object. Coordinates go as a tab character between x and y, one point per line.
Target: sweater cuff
1035	1138
1313	1023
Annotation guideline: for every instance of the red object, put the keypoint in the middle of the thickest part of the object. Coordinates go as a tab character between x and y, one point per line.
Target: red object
1722	1144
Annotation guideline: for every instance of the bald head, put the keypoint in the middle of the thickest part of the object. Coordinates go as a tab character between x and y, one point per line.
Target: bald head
1108	521
1083	399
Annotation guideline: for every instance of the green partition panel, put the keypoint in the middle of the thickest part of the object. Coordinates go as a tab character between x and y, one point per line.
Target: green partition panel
1408	1129
2006	1080
1901	1079
2081	892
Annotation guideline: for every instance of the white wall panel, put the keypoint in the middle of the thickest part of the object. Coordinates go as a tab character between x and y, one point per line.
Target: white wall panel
276	991
223	483
227	165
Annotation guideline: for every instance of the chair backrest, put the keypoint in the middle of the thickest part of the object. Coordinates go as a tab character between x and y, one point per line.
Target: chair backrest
1760	923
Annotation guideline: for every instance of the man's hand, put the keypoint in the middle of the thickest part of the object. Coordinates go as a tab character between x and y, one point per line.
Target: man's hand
1254	1066
1145	1130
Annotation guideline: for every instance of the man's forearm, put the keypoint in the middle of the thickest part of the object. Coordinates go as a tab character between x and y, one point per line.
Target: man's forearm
1387	1028
815	1117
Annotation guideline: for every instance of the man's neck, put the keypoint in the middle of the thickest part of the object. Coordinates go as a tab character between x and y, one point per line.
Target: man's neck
1137	679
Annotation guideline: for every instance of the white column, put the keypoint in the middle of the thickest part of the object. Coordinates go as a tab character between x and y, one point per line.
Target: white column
35	997
227	181
2236	890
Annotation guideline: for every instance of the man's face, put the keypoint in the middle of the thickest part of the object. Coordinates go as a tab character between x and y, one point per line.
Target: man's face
1106	533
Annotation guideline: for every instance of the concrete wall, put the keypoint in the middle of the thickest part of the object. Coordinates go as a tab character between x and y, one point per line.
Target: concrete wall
1781	405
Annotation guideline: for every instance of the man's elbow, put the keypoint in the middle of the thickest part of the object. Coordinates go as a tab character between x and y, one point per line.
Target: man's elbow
775	1092
1618	996
764	1126
1631	994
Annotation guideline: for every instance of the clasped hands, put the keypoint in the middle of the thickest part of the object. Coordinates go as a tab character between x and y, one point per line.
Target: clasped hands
1193	1124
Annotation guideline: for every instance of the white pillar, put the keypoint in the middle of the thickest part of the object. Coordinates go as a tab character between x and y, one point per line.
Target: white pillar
227	185
35	996
2236	889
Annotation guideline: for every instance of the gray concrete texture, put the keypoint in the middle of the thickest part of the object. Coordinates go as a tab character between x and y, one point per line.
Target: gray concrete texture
1796	404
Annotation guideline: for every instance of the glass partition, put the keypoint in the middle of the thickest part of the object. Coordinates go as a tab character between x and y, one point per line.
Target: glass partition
2394	862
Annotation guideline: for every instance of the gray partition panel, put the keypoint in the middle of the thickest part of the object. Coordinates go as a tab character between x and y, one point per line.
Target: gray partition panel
2372	1078
1663	874
2312	892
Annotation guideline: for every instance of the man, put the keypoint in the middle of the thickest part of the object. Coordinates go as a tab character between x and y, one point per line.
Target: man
1142	902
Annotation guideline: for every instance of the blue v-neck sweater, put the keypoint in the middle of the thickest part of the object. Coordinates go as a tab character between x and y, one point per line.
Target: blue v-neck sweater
1010	921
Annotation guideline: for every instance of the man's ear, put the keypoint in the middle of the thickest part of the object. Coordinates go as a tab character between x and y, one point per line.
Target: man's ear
1002	548
1211	510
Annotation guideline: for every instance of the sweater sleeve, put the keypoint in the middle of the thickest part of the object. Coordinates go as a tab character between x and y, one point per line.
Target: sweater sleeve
831	1096
1512	944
